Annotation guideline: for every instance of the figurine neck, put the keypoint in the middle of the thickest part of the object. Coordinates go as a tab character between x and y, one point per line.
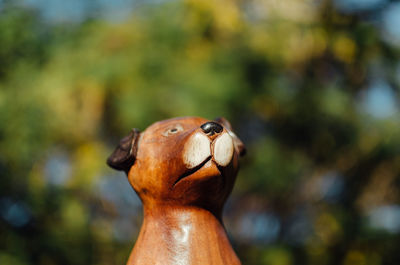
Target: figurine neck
182	235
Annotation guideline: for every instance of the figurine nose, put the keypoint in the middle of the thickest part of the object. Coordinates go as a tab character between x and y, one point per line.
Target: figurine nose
211	128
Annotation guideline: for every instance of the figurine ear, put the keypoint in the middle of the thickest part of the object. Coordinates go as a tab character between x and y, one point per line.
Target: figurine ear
239	145
124	155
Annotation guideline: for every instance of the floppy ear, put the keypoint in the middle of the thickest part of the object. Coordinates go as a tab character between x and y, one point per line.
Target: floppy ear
124	155
239	145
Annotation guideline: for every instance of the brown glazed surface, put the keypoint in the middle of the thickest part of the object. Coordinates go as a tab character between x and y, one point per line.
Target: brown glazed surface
183	175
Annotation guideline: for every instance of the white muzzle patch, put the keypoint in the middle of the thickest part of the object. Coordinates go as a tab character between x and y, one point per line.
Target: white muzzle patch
198	148
223	149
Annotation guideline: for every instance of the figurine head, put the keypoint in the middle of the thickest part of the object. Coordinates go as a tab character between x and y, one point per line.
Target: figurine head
188	161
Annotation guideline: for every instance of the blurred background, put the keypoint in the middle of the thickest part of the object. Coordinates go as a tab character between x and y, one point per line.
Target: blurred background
311	87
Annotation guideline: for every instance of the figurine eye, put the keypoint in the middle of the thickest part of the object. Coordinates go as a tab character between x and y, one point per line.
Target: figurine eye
173	130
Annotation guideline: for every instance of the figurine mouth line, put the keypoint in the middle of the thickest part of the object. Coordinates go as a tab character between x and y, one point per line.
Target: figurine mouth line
193	170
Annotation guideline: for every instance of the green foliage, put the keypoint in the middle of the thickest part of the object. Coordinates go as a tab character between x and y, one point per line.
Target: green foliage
293	80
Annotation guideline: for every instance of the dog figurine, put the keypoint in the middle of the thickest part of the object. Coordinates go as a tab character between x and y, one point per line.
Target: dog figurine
183	170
